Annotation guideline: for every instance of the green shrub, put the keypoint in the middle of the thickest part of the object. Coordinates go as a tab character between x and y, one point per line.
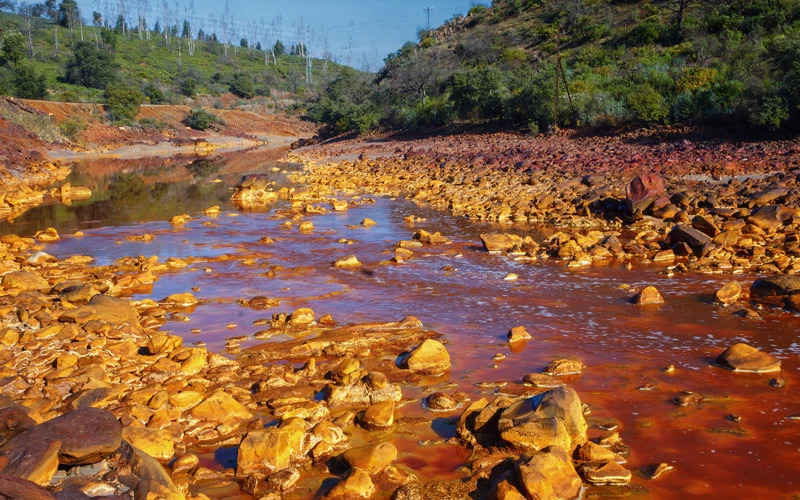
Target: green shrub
13	46
28	83
647	32
770	111
200	119
646	104
90	66
427	42
243	86
72	128
154	94
122	101
477	10
188	86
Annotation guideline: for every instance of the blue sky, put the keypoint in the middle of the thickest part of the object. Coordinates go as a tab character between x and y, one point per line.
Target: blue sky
358	32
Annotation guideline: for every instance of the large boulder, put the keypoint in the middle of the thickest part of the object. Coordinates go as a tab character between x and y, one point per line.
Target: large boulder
372	458
643	191
696	240
269	450
86	435
155	442
428	358
744	358
776	286
771	217
221	408
25	280
254	190
356	484
500	243
15	488
561	404
113	311
549	474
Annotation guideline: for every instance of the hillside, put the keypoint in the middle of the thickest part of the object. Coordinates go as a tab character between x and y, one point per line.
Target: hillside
165	71
708	62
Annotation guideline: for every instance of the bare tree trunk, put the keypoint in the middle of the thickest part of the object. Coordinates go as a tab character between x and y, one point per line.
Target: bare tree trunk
30	38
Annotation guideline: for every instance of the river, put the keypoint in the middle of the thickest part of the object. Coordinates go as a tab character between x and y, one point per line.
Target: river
458	290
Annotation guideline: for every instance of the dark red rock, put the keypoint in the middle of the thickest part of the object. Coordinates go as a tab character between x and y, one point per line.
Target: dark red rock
689	235
643	190
87	435
14	488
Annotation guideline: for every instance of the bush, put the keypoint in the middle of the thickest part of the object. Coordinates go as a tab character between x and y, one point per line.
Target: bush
200	119
477	93
770	112
13	47
122	102
73	128
154	94
152	124
646	104
90	66
188	86
646	32
243	86
28	83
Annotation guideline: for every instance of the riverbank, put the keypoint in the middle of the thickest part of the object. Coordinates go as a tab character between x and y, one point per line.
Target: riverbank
295	337
36	154
710	207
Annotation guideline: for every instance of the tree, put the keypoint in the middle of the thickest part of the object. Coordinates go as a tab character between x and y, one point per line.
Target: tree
90	66
187	30
97	19
29	83
154	94
51	9
188	86
243	43
13	46
680	10
279	49
122	101
243	86
69	15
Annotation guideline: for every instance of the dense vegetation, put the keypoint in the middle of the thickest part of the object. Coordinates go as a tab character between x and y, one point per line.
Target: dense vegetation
624	63
47	52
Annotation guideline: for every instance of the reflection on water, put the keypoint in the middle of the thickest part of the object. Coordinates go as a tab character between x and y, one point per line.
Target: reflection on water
141	190
458	290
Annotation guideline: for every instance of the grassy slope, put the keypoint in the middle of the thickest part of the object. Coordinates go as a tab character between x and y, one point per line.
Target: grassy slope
152	61
627	63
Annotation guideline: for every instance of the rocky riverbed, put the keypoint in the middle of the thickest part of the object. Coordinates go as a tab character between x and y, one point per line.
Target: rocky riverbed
297	337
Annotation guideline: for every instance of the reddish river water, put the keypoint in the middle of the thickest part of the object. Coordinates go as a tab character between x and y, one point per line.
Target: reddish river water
582	312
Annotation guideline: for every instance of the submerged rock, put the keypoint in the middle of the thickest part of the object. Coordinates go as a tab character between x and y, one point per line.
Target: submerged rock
729	293
518	334
648	296
745	358
498	243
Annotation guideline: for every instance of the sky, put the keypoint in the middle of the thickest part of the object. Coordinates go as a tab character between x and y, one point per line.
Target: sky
360	33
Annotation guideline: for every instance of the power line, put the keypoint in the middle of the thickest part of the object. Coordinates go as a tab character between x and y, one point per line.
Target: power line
428	9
